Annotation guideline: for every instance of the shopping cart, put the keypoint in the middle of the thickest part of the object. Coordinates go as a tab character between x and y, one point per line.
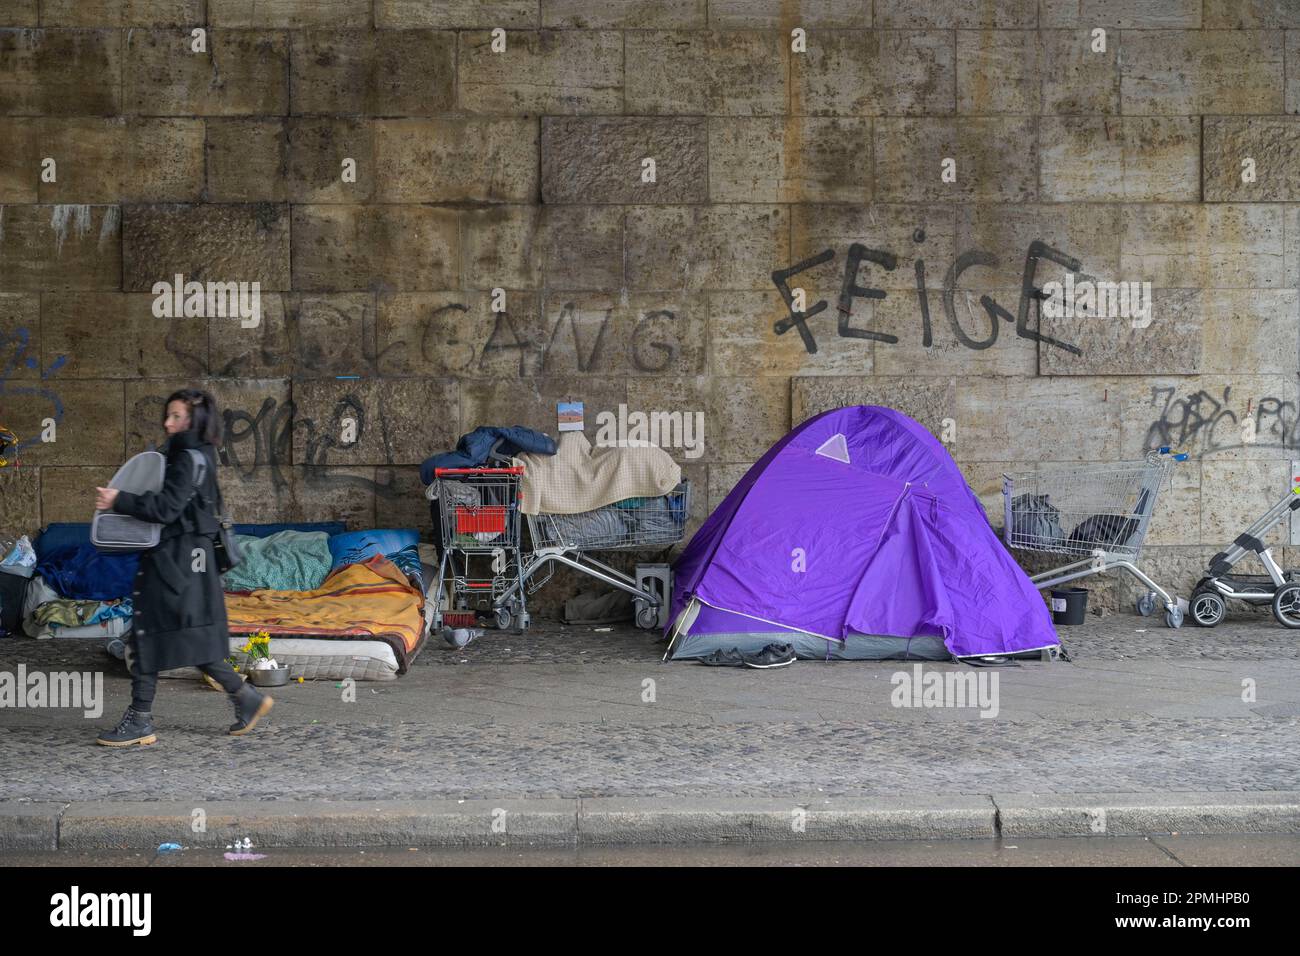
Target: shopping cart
1097	513
477	510
638	524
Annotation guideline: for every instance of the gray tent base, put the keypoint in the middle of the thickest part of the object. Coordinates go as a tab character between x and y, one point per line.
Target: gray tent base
855	647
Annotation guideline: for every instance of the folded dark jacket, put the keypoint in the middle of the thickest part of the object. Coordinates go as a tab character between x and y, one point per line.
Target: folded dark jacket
472	450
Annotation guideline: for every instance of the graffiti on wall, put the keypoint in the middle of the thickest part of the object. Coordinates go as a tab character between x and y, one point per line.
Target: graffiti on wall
859	255
16	348
1205	421
265	440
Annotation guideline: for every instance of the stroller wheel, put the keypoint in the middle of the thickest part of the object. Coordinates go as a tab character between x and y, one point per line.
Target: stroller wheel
1208	608
1146	604
1174	618
1286	605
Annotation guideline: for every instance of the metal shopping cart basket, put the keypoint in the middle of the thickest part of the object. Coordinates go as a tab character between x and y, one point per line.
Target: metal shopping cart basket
638	524
478	513
1096	513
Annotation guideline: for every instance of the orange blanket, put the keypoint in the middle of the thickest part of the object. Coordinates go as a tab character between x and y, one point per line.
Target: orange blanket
371	598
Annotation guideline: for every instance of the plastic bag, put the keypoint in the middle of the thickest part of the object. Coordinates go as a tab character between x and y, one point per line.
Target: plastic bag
21	555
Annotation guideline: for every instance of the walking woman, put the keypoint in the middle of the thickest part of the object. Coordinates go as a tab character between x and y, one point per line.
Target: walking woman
180	610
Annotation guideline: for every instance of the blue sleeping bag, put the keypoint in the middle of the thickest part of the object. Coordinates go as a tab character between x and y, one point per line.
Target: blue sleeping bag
75	568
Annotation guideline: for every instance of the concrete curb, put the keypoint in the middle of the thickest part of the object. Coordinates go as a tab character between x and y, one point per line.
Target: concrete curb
604	821
1137	814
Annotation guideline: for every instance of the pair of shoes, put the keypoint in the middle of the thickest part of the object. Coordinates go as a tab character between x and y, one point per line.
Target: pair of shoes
136	727
773	655
720	658
251	705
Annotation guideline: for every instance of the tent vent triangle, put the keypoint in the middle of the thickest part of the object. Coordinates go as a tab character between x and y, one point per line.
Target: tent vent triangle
835	447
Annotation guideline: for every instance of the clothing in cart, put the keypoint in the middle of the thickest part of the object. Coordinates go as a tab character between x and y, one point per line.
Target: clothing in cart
579	478
474	448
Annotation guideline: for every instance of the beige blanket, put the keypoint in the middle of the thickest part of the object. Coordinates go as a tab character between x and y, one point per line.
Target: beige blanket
581	478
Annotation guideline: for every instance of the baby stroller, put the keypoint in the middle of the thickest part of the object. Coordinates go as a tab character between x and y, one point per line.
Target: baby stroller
1277	587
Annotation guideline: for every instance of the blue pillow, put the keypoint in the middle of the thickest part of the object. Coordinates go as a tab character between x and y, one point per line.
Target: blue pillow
352	547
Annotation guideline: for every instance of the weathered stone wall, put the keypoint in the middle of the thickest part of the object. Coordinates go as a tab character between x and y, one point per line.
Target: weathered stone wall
522	170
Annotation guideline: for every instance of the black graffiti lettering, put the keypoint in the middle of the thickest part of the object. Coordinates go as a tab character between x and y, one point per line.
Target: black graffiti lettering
1030	292
667	349
927	335
268	445
859	253
964	262
1197	417
796	318
570	310
1281	416
503	320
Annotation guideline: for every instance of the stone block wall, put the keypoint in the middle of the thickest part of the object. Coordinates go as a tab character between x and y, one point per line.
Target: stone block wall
500	150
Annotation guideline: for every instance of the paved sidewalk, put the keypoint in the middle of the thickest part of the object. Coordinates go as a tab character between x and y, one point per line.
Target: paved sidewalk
1142	713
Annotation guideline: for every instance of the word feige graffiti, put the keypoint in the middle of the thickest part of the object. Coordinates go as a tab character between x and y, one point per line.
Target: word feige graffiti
858	254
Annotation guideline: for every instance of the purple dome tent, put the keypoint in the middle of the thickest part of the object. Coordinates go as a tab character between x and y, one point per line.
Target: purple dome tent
854	537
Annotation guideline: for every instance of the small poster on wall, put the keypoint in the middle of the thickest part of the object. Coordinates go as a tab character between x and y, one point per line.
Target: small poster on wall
570	414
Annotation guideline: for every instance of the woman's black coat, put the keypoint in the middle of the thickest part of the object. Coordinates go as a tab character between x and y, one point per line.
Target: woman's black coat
180	609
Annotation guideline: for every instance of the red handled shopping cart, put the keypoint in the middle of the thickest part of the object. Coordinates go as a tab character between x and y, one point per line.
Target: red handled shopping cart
477	511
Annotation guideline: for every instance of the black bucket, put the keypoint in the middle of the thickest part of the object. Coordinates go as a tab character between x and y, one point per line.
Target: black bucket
1069	605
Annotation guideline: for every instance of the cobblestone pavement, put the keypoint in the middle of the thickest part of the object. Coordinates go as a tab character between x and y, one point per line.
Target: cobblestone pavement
1119	636
569	712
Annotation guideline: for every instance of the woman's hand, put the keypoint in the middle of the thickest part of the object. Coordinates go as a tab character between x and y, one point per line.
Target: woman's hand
104	498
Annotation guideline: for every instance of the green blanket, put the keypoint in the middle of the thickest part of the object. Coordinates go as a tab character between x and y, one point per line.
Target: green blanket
284	561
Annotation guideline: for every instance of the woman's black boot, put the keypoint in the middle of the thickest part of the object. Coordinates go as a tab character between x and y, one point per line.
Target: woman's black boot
136	727
251	705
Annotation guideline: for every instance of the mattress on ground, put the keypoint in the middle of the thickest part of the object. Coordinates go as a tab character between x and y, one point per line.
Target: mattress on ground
320	659
332	658
369	601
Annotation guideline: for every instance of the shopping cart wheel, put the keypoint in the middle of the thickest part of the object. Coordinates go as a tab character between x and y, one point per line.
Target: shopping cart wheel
647	617
1208	608
503	618
522	621
1146	604
1174	618
1286	605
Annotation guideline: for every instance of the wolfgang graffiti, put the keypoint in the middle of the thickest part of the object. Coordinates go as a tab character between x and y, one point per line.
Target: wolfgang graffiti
859	255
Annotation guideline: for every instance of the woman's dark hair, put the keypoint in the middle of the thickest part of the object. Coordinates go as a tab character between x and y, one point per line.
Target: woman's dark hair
203	413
